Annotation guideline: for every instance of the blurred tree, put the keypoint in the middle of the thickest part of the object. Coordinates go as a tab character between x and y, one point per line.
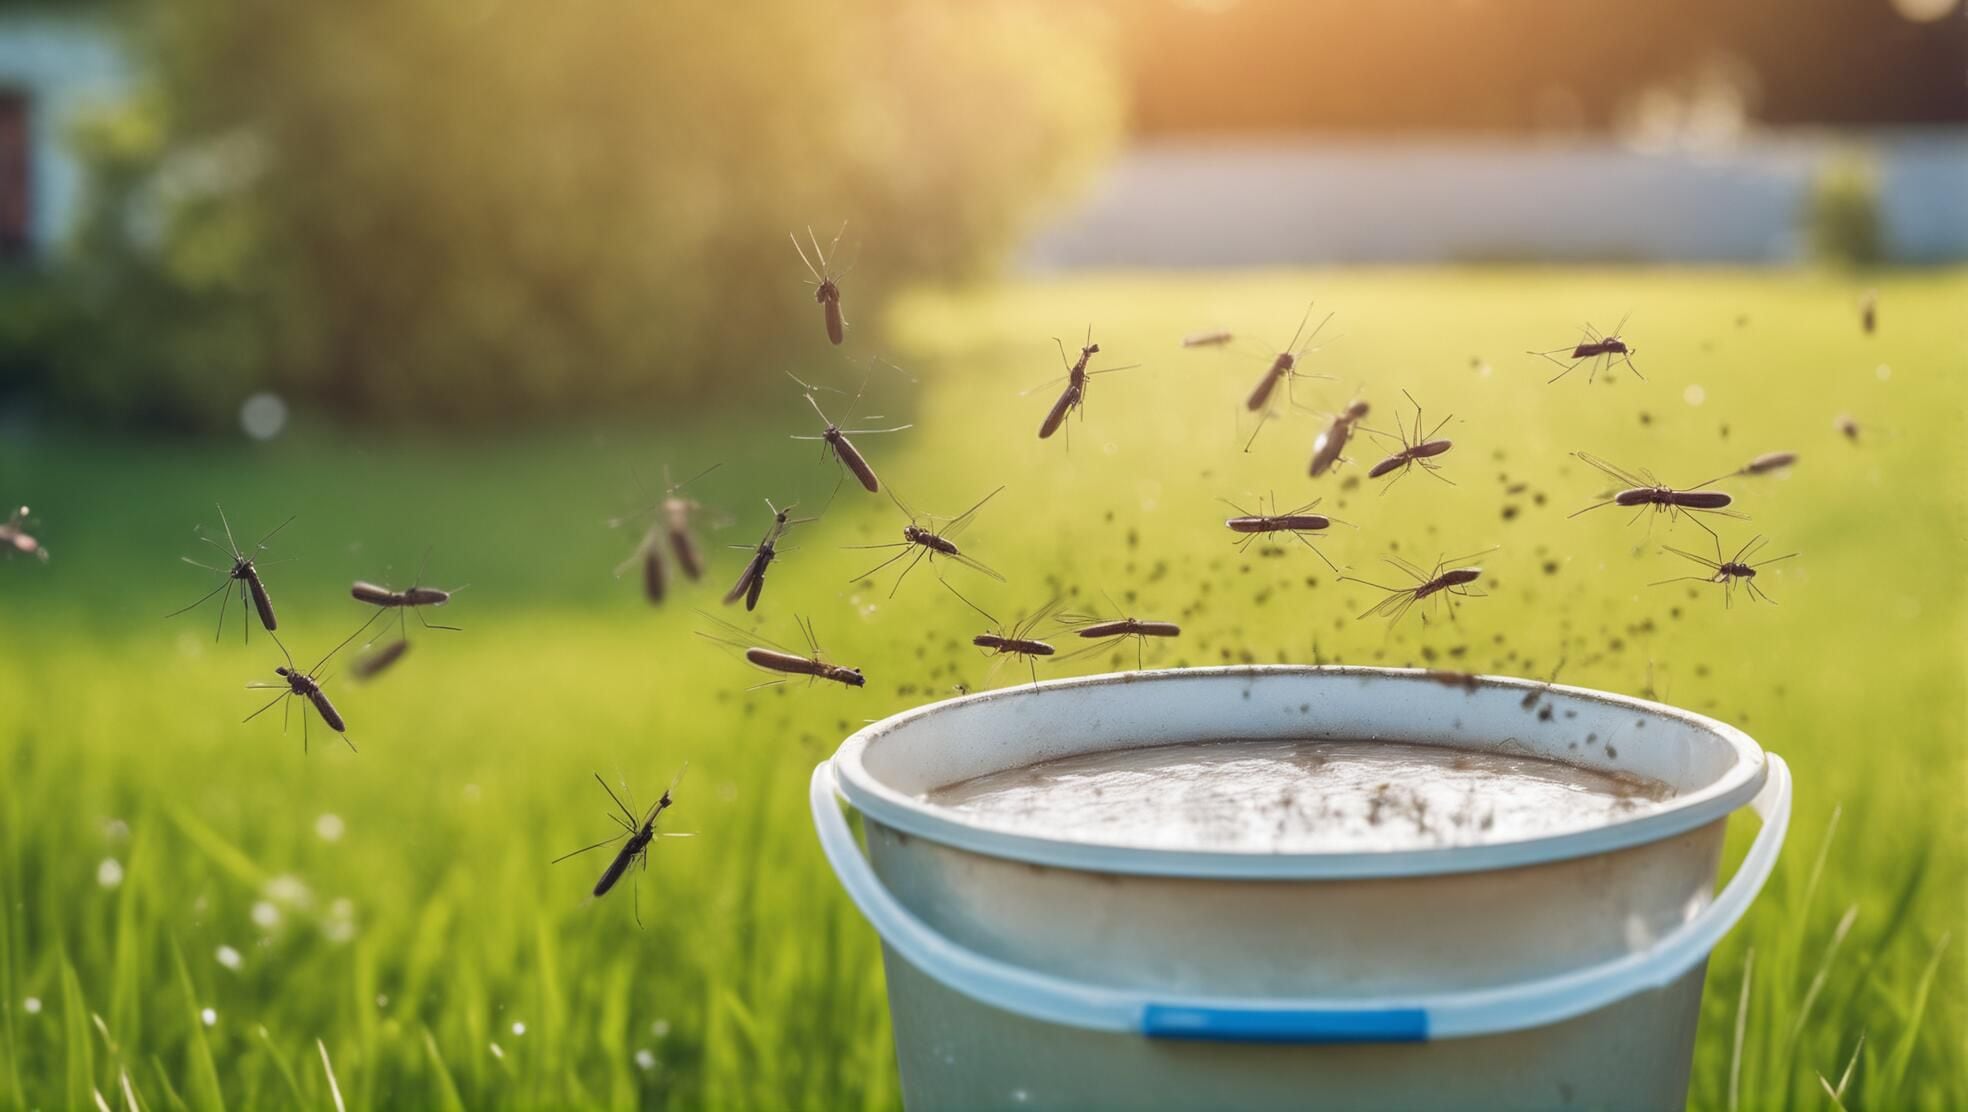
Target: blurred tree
432	210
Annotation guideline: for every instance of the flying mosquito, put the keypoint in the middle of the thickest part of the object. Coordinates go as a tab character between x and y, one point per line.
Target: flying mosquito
1016	640
1217	337
245	573
1419	452
669	519
1295	523
1110	632
15	538
639	835
826	283
1600	351
1284	369
1444	579
308	686
1869	311
412	598
1076	379
751	581
1736	569
1644	491
1768	462
763	652
924	537
839	446
1326	449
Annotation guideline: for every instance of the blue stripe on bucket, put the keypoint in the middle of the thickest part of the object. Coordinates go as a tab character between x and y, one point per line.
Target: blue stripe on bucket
1165	1021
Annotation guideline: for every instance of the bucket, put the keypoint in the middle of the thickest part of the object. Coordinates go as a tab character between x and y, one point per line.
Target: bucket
1562	971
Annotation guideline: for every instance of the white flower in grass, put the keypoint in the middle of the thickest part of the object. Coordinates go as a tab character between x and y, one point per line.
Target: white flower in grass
109	874
31	1005
329	827
645	1059
230	958
519	1028
266	915
209	1017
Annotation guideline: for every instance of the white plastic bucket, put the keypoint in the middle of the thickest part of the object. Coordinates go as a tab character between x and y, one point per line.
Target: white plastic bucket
1554	972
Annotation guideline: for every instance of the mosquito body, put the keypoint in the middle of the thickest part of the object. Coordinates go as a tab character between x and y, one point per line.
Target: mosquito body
244	572
826	284
1768	462
639	834
308	686
1077	376
751	581
15	538
1295	523
1643	492
1419	452
1110	632
1016	640
1847	426
404	602
1284	365
840	447
1736	569
762	652
1869	311
669	521
376	663
1444	579
1214	338
1599	351
923	537
1327	448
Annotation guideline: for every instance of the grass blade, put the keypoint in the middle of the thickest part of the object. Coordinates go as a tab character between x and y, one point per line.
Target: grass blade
75	1038
202	1076
280	1065
1742	1026
327	1067
444	1091
1902	1056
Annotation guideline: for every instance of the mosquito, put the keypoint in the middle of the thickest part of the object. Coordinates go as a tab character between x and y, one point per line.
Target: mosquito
1869	311
826	283
763	652
1768	462
1016	640
1417	452
308	686
1076	378
1110	632
751	581
639	835
1600	351
1326	449
669	519
1283	368
924	537
245	573
1644	491
412	598
14	536
1444	579
1213	338
1736	569
839	446
1295	522
373	664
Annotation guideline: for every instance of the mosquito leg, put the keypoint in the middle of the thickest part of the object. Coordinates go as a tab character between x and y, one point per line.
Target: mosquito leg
266	708
224	601
920	553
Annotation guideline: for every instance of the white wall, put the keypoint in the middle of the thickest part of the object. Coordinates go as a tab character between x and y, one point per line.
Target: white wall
65	63
1230	203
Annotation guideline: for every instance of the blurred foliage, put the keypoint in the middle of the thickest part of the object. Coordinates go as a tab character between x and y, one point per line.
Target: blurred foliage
1843	215
427	210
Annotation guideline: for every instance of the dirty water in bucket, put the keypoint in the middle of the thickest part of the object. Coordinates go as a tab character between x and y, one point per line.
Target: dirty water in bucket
1298	796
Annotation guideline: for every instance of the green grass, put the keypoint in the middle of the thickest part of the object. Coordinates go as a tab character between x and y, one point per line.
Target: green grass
403	955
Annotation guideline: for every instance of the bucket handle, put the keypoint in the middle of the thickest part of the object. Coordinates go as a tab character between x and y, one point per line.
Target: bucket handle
1444	1015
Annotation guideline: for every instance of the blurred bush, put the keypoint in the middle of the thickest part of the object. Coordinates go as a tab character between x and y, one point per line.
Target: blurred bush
446	211
1842	218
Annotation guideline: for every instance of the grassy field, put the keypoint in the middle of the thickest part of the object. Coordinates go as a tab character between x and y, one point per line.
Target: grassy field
197	909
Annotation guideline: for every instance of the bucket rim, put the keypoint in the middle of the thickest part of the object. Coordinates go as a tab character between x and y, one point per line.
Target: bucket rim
1686	811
